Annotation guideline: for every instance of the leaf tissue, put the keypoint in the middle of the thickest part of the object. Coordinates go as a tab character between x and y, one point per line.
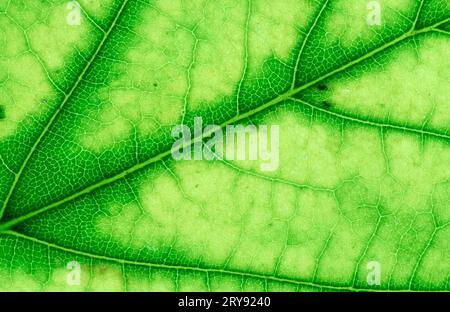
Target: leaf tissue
238	145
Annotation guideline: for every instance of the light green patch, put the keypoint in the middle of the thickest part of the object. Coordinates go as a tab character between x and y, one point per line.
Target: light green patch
395	93
106	278
162	281
25	91
440	200
274	29
56	281
193	282
18	281
169	215
281	287
97	9
417	168
306	151
111	131
225	284
343	251
400	236
36	41
410	247
152	92
54	40
4	5
432	270
307	236
348	22
362	154
230	227
12	38
174	67
218	59
249	285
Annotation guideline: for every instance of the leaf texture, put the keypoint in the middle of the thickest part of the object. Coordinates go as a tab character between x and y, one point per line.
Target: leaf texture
86	113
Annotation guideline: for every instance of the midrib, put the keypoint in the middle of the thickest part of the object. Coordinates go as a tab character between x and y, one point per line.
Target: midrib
11	223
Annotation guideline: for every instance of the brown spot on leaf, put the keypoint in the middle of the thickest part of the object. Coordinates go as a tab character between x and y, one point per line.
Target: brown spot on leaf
326	104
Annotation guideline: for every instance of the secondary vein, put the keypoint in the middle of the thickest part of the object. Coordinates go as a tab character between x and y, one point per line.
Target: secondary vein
120	261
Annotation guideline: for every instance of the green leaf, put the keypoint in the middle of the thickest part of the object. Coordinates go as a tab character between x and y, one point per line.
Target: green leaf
89	188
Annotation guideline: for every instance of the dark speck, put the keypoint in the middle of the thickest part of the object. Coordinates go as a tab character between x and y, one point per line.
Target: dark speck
326	104
155	84
102	269
322	87
2	112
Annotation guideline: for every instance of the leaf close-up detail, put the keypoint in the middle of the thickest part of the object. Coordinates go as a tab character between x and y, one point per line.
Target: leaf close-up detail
356	97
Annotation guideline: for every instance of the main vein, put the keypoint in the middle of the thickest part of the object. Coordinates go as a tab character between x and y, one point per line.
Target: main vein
281	98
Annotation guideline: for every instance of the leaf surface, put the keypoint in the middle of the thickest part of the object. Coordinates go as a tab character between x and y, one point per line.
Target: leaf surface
87	175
